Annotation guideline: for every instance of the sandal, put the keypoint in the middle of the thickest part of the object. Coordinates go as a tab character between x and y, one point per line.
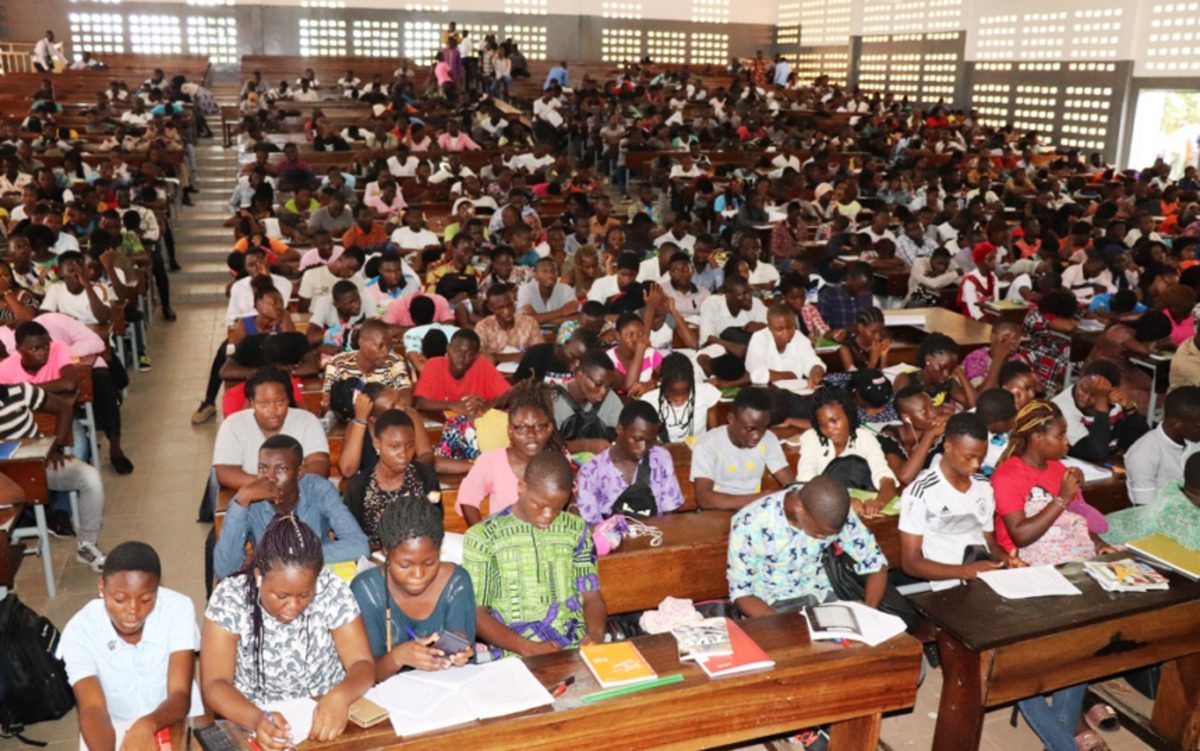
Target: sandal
1102	718
1088	740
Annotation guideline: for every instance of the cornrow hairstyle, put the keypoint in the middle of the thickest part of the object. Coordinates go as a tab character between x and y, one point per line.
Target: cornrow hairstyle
411	517
868	316
935	344
828	397
1034	417
538	395
286	542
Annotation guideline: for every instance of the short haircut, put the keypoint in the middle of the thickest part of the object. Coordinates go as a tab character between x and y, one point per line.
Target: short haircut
935	344
132	556
967	424
1183	403
264	376
638	410
752	398
499	290
1106	369
996	405
592	309
343	289
70	256
550	470
628	318
860	270
596	359
284	442
392	418
422	310
629	262
909	392
827	501
1012	370
411	517
468	336
30	329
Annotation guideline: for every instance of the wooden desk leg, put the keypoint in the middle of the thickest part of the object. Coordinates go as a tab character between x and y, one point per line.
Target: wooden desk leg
858	734
1177	707
960	712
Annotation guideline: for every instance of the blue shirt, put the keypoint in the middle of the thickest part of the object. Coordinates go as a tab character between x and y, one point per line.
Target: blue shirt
320	507
710	278
773	560
454	610
1103	302
558	74
839	308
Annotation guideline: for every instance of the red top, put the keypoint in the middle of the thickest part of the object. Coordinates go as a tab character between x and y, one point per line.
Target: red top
1015	482
235	397
481	378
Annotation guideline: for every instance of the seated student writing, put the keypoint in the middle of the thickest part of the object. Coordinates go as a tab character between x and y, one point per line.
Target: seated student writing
414	592
1155	461
373	361
395	474
685	406
634	476
1174	512
586	409
948	514
284	627
130	653
1035	492
461	381
282	487
998	409
940	375
777	543
780	352
728	462
533	567
1099	416
241	435
838	445
495	475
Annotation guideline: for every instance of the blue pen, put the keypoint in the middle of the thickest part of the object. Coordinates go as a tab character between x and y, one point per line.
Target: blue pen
411	634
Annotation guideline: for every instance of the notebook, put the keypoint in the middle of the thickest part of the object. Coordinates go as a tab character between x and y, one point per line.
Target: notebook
851	620
617	663
419	702
1125	575
8	449
892	508
746	655
704	638
298	713
1166	551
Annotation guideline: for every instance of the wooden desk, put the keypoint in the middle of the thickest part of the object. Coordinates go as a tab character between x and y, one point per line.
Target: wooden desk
811	684
995	652
27	468
967	332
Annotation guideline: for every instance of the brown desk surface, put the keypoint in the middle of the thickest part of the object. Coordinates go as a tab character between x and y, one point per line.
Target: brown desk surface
965	331
811	684
981	619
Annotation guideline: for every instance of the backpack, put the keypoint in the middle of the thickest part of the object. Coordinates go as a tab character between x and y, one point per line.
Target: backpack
33	681
581	423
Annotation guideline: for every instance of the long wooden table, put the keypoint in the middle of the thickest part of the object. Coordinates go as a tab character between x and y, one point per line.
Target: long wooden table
995	652
811	684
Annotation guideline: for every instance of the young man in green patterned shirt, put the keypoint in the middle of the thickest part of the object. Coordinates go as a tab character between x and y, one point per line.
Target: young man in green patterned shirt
534	568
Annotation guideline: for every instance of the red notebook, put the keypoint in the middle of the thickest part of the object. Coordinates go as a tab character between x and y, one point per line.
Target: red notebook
746	655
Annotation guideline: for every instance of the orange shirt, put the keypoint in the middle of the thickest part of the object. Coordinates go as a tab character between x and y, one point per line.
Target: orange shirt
355	237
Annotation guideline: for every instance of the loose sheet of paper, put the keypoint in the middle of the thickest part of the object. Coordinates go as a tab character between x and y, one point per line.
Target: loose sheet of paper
504	688
401	693
1091	472
1033	581
298	713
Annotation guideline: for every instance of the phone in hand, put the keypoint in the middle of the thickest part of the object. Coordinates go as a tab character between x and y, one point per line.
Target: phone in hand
450	643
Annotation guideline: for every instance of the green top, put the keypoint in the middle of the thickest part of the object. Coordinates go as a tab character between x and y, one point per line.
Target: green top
531	579
1172	514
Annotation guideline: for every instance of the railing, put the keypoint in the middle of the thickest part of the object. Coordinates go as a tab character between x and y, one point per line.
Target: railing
16	57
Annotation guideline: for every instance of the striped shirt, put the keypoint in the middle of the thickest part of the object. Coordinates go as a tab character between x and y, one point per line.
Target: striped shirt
17	403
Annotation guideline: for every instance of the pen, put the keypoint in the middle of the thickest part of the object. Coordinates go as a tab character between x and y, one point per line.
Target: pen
561	688
411	634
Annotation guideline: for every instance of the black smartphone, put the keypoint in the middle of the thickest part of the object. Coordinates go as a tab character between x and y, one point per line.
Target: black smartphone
450	643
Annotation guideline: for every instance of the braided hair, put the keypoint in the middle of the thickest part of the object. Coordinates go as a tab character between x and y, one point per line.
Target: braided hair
676	368
286	542
540	396
1034	417
411	517
826	397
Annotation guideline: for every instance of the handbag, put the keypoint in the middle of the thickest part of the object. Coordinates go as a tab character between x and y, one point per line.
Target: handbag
847	584
637	500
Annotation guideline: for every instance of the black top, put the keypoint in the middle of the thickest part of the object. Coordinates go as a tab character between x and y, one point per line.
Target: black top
542	362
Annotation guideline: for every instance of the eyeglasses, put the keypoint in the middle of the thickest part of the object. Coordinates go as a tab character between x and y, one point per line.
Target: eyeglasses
534	427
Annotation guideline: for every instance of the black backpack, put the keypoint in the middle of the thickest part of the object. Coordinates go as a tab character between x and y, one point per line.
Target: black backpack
33	681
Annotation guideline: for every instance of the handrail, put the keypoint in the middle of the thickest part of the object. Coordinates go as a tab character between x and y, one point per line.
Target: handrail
16	57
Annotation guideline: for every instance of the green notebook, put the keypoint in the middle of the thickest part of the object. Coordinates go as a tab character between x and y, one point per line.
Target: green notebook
891	509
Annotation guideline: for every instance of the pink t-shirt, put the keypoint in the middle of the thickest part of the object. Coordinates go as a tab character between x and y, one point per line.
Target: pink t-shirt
312	257
651	361
490	477
12	372
397	311
1181	330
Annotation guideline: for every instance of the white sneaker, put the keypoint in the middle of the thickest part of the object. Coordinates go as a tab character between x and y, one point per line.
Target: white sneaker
90	555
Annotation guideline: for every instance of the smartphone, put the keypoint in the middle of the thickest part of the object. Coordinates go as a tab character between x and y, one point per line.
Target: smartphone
450	643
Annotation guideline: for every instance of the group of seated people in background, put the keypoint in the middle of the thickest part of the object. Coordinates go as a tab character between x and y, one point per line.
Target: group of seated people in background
569	354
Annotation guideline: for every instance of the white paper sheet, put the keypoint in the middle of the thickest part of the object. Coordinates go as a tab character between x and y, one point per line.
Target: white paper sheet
1033	581
902	318
1091	472
298	713
505	687
507	367
401	693
451	711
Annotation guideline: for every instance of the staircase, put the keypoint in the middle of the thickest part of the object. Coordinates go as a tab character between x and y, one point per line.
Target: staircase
201	243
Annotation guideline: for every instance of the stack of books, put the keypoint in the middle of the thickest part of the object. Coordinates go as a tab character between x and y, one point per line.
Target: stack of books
1125	575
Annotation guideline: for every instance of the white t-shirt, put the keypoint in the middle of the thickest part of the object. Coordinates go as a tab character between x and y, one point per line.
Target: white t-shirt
947	520
132	676
715	316
686	243
675	419
239	437
764	273
60	300
604	288
649	271
798	357
318	281
408	240
241	297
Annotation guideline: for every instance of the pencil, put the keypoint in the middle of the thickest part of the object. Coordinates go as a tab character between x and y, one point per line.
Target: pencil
622	690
